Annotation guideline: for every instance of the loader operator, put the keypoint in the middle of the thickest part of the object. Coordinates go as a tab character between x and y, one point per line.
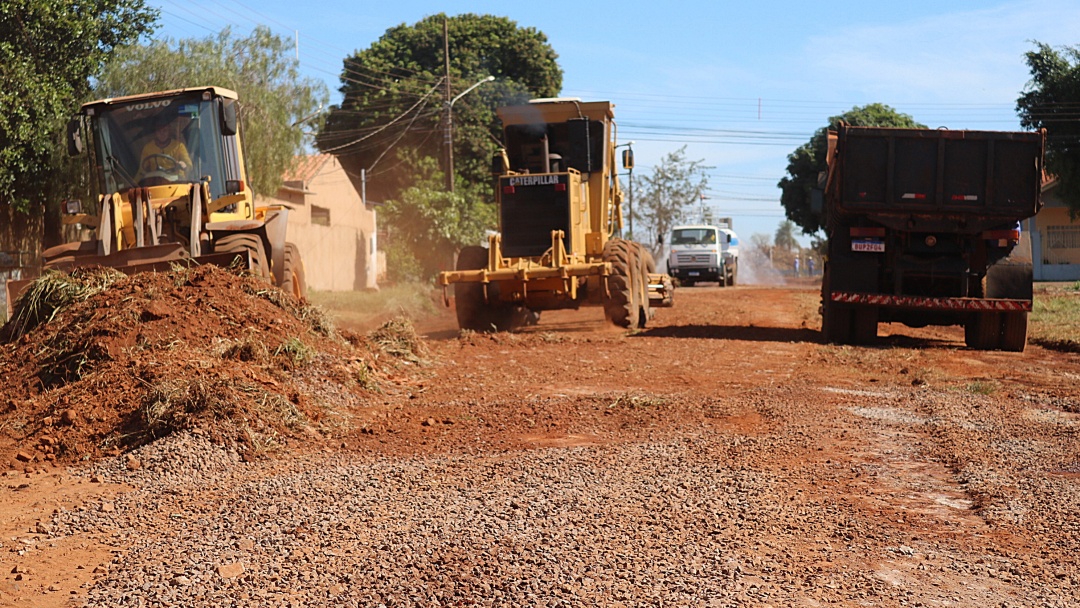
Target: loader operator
164	155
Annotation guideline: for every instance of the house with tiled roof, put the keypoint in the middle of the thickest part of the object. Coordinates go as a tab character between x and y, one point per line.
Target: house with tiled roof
331	225
1055	238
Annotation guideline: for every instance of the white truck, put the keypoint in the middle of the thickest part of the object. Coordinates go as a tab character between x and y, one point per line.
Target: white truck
704	252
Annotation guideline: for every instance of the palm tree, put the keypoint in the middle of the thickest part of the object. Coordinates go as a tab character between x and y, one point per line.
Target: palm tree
785	236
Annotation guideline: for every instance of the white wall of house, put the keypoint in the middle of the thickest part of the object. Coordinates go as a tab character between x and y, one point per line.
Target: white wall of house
1055	245
330	225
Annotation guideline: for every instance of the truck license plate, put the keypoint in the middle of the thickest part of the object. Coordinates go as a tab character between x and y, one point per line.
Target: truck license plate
693	273
868	245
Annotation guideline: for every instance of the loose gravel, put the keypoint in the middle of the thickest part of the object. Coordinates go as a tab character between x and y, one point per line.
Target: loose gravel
704	519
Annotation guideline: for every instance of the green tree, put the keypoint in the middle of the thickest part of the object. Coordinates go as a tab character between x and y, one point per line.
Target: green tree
808	161
675	186
1050	103
785	236
395	94
259	67
428	224
49	49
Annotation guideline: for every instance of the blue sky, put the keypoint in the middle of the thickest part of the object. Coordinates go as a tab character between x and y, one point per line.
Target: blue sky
741	84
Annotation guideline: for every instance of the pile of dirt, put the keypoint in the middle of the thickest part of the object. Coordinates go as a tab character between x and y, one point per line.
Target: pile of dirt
202	348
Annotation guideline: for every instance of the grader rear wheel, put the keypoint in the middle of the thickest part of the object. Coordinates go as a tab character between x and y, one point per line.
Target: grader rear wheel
645	261
239	243
621	307
474	311
295	283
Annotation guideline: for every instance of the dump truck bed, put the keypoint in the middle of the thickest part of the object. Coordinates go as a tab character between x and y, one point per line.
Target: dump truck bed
888	175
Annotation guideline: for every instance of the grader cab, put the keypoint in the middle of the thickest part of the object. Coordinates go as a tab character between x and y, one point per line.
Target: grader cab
560	217
168	171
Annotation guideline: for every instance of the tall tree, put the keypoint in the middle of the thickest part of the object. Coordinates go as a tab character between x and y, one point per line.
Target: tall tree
273	96
674	187
395	96
808	161
49	49
1050	102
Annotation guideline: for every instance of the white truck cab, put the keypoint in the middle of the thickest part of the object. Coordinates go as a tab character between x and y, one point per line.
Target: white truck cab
704	252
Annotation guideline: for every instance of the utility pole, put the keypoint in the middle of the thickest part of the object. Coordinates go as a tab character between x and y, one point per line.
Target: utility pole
449	143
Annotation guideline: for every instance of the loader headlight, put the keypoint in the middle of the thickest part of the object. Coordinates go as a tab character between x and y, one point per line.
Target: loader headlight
73	206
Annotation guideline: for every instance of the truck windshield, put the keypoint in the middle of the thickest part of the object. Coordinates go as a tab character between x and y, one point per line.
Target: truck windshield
159	141
693	236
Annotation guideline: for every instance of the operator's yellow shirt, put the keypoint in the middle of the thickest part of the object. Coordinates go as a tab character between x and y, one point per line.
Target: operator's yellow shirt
175	149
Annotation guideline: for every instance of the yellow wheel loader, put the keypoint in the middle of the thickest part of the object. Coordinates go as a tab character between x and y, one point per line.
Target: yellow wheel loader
171	186
560	216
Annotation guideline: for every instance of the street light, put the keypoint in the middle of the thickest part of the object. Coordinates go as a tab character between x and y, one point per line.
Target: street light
449	132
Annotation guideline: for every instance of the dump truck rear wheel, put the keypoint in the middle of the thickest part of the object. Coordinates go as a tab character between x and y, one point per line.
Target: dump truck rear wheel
982	331
1014	327
836	318
295	281
237	243
864	325
621	305
836	322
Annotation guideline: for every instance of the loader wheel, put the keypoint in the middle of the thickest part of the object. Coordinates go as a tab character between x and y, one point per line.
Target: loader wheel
295	283
238	243
473	312
621	306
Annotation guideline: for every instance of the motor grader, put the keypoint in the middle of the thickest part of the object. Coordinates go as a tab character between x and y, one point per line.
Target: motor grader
154	209
560	217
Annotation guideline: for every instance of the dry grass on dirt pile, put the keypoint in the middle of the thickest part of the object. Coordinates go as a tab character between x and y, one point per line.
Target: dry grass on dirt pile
97	362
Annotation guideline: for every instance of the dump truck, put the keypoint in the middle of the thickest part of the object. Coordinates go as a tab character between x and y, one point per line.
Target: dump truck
924	228
168	174
560	216
704	252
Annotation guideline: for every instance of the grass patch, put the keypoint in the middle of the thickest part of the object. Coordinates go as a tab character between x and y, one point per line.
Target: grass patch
1055	320
367	309
982	387
294	352
636	402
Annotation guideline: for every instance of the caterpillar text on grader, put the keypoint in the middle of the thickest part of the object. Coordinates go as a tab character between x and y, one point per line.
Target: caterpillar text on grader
169	172
560	214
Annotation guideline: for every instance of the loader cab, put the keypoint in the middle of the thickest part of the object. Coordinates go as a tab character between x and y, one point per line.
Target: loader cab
175	137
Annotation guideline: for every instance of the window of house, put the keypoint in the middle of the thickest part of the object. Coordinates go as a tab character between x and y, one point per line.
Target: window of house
320	215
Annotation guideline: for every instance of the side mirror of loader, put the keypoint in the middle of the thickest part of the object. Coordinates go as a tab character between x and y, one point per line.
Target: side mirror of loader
228	117
628	158
74	137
